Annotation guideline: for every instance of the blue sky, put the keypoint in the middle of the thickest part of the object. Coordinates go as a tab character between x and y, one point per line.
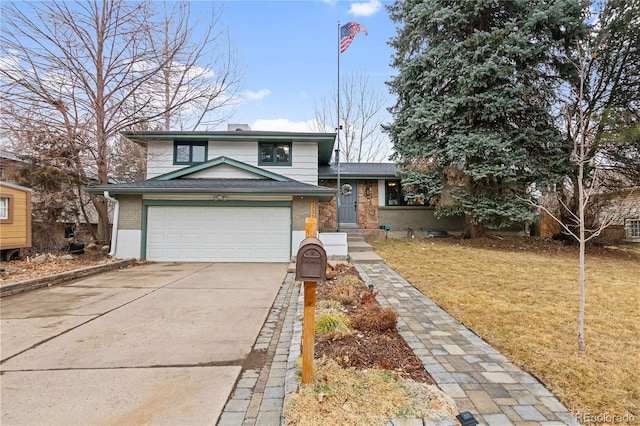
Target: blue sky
288	52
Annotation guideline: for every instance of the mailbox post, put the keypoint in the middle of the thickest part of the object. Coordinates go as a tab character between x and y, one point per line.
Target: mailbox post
311	267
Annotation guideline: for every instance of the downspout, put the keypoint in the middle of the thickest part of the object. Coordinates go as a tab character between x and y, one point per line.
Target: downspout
114	226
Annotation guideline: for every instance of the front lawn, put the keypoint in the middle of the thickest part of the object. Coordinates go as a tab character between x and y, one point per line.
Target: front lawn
521	295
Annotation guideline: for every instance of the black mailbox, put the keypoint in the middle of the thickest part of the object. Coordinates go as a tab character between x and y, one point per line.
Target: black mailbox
311	261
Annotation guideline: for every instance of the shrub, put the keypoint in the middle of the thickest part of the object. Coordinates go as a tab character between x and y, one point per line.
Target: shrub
347	295
368	297
332	323
349	281
328	305
374	318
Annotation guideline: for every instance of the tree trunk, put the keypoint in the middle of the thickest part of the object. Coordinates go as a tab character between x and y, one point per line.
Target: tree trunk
472	229
582	238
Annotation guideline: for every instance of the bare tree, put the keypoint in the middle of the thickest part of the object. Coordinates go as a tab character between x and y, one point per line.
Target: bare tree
82	72
200	80
361	137
589	184
610	102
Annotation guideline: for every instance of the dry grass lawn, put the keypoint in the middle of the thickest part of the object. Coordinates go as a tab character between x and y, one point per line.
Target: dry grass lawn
347	397
521	295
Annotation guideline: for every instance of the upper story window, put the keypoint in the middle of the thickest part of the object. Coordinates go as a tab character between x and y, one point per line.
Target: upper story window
274	154
188	152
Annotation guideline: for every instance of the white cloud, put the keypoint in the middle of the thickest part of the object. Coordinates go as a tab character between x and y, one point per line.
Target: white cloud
284	125
365	9
257	95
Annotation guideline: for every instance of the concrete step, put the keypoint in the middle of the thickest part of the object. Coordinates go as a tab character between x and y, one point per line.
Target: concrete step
360	246
354	238
365	257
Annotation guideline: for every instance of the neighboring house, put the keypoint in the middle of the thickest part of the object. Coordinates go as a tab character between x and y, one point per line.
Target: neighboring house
10	165
235	196
623	210
15	219
71	222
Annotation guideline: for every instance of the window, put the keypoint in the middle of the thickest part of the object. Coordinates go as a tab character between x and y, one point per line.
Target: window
394	193
189	152
4	209
634	226
274	154
396	196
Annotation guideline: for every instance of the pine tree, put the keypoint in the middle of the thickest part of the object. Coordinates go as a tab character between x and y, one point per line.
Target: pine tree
472	123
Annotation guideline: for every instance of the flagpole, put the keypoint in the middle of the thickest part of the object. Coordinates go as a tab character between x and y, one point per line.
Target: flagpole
337	158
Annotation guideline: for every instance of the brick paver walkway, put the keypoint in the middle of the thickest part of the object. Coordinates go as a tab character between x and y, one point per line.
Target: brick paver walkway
473	373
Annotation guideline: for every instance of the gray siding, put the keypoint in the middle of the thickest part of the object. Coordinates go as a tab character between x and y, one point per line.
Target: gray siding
130	212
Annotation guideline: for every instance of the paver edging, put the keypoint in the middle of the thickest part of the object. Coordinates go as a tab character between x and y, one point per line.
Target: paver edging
50	280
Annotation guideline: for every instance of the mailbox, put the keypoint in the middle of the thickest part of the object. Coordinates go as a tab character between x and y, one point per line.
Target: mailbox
311	261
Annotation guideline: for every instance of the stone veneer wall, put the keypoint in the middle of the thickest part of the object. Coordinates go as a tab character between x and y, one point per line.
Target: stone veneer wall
327	209
368	205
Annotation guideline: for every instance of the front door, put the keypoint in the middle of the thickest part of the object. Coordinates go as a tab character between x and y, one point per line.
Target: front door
348	211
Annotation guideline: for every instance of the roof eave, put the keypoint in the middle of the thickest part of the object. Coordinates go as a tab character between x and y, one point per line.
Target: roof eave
324	195
357	176
143	138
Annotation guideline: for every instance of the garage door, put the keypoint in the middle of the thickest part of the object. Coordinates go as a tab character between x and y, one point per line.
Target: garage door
218	234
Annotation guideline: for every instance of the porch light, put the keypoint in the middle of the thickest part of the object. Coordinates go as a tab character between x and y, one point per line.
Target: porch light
367	190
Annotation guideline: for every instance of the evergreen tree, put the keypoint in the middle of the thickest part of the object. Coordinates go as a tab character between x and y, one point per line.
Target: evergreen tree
472	123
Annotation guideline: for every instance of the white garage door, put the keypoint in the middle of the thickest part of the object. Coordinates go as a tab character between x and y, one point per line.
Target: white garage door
218	234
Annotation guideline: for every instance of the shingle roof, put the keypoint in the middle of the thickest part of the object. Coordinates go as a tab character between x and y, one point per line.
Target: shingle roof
359	170
218	186
8	155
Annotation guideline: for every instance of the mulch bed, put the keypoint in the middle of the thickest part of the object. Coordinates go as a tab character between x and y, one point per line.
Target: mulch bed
368	349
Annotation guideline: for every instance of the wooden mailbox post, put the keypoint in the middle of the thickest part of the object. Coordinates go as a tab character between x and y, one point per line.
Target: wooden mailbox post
311	268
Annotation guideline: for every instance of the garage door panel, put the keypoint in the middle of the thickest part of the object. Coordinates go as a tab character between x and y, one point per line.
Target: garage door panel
222	234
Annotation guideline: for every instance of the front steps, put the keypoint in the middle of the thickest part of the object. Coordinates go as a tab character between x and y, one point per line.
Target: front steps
359	250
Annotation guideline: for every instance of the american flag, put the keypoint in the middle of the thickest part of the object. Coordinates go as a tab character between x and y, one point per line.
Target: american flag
347	32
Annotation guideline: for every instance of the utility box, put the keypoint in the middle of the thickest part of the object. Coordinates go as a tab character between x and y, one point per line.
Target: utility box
311	261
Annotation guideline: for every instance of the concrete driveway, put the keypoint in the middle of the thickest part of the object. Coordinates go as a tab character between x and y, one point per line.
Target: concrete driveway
156	344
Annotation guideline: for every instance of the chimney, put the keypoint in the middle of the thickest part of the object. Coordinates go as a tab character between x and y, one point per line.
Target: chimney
237	127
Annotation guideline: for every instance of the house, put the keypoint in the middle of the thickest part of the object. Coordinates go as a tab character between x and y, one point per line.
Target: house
242	195
57	209
234	196
10	165
622	210
372	198
15	219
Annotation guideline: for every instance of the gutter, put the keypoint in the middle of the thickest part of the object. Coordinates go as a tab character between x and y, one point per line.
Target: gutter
114	226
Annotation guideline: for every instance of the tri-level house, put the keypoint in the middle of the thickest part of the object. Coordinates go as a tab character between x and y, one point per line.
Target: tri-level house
225	196
242	195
